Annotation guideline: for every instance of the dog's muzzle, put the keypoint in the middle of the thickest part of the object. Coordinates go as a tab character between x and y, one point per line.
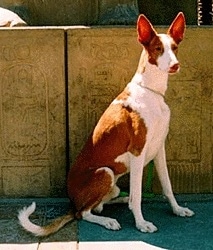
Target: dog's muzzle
174	68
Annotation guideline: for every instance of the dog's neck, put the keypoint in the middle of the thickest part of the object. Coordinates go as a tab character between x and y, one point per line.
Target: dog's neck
150	76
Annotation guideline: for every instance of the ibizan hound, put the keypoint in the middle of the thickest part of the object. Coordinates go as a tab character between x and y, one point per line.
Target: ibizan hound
130	133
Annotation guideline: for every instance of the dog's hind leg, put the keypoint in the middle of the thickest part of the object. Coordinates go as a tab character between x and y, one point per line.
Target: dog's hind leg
102	188
114	198
119	200
107	222
110	198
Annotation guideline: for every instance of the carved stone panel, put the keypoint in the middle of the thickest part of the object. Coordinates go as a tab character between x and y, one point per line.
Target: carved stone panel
101	62
190	96
32	112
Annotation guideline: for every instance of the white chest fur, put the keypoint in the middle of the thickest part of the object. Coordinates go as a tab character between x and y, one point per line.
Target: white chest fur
154	112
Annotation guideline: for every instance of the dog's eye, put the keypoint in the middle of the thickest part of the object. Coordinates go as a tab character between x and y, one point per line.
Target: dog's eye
174	47
158	48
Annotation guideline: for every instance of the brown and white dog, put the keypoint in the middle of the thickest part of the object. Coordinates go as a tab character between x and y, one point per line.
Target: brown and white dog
130	133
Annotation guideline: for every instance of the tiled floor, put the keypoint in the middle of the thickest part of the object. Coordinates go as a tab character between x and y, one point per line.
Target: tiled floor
80	246
174	233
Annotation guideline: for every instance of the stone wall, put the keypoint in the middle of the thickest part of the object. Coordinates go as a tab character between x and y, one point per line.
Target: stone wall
82	70
32	113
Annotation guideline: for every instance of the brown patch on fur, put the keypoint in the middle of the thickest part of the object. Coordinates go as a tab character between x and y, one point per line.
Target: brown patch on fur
123	95
119	130
57	224
92	187
154	49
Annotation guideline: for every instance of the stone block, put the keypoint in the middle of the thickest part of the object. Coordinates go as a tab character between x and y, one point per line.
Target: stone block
32	112
101	61
190	96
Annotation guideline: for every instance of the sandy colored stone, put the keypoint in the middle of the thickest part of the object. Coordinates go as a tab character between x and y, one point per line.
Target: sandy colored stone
190	96
32	113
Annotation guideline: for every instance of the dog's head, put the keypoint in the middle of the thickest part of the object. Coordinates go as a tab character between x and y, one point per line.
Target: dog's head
162	48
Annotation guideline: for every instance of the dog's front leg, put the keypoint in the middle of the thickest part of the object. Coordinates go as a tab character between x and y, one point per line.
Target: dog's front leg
136	172
161	167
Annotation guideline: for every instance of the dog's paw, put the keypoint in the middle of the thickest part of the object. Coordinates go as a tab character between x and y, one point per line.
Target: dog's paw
146	227
183	212
111	224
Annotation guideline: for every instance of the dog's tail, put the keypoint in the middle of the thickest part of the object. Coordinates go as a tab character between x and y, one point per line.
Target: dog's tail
53	227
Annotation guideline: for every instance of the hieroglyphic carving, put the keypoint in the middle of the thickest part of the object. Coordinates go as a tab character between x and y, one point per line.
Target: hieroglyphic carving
189	150
183	141
15	52
24	111
32	113
114	51
185	177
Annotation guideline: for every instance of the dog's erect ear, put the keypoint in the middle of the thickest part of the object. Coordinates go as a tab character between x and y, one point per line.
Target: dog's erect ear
146	32
177	28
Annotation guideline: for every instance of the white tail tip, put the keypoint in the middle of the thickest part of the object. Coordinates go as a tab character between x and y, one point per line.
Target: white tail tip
23	217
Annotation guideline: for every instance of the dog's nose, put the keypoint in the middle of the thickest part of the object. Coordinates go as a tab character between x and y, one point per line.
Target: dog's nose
174	68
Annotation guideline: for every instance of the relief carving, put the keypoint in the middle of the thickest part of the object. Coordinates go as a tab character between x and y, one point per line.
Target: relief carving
184	138
113	51
17	52
185	177
24	109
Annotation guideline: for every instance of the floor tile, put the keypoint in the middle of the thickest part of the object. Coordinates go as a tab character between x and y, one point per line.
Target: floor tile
116	246
58	246
33	246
